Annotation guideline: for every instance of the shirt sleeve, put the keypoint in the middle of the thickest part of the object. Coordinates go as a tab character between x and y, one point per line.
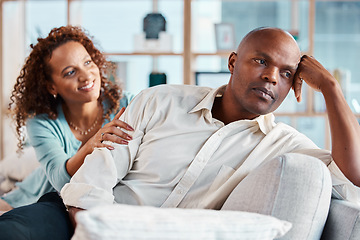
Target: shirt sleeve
342	188
93	183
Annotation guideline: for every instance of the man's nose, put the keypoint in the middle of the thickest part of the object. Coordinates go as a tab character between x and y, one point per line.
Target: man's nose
271	74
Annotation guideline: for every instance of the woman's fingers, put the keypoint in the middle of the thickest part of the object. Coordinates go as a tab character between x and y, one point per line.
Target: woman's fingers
118	115
120	123
115	135
113	132
120	137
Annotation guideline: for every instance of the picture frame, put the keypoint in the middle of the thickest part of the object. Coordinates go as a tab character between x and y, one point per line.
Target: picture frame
224	37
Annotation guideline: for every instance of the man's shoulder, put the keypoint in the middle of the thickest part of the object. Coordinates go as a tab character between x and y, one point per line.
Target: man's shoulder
283	127
175	91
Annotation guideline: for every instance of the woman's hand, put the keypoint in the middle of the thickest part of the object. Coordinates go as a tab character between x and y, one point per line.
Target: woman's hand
4	207
111	132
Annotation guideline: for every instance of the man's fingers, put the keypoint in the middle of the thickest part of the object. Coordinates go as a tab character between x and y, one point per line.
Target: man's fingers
297	88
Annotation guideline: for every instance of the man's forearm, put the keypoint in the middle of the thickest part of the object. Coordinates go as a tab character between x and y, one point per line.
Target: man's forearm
345	133
345	130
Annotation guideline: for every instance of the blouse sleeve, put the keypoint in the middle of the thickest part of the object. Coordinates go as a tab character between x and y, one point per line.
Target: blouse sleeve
52	148
126	99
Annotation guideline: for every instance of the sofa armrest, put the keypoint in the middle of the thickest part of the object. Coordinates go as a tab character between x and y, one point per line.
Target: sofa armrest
343	222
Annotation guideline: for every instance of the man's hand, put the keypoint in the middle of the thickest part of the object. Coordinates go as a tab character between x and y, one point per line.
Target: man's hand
344	128
313	73
72	212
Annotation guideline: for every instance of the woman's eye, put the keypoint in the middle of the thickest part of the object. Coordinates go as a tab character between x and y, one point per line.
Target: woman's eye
88	62
70	73
260	61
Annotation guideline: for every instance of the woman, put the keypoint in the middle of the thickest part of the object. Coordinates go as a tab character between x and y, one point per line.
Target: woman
67	103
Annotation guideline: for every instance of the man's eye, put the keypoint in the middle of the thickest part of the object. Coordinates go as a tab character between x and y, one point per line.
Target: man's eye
260	61
287	74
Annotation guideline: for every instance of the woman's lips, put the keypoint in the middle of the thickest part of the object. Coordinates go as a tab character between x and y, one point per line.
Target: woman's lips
88	86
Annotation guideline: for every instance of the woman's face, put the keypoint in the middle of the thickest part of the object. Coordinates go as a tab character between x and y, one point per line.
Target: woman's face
76	78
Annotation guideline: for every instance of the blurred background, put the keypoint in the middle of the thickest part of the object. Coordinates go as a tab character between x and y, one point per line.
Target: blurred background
193	49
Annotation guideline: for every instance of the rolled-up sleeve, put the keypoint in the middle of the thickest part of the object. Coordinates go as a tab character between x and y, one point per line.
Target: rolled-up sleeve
342	188
93	183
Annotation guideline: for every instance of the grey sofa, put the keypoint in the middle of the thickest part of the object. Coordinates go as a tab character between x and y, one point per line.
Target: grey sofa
111	221
343	222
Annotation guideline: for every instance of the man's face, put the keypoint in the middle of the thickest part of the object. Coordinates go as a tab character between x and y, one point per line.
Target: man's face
262	72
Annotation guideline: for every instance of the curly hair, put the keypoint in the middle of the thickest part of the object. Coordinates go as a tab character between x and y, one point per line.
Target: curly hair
30	95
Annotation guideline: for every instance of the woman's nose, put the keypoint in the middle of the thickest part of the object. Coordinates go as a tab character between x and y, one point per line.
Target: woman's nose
84	75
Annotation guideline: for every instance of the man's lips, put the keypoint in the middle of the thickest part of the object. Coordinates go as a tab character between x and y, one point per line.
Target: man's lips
265	92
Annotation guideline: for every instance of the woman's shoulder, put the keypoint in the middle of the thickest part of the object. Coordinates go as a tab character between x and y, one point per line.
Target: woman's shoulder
43	120
126	98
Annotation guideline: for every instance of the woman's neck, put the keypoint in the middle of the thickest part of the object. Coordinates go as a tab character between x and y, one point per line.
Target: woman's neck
83	116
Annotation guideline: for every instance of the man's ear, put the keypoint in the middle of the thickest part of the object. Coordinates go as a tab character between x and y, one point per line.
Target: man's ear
231	62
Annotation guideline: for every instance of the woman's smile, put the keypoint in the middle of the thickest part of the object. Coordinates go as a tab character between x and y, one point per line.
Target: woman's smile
87	87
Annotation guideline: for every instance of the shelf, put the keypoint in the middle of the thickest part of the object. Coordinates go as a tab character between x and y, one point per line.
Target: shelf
195	54
220	54
144	54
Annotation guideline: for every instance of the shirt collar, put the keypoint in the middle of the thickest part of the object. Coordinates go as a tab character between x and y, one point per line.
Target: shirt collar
266	122
208	100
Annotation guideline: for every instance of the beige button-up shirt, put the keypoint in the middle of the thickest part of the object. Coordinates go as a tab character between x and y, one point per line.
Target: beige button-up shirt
182	157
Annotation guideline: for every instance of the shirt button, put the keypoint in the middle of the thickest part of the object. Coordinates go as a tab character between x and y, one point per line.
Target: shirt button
179	191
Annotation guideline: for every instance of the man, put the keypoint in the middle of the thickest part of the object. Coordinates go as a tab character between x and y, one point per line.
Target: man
192	146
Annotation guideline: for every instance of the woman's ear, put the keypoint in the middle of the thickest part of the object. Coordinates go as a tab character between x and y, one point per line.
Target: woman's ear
231	61
51	88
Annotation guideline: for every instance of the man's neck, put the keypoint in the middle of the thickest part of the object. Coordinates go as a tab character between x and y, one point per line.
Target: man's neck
223	111
217	110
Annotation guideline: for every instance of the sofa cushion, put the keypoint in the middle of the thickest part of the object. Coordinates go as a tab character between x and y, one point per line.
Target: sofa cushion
14	168
343	222
139	222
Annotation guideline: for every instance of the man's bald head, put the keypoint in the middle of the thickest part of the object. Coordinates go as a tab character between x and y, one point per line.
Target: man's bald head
268	33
